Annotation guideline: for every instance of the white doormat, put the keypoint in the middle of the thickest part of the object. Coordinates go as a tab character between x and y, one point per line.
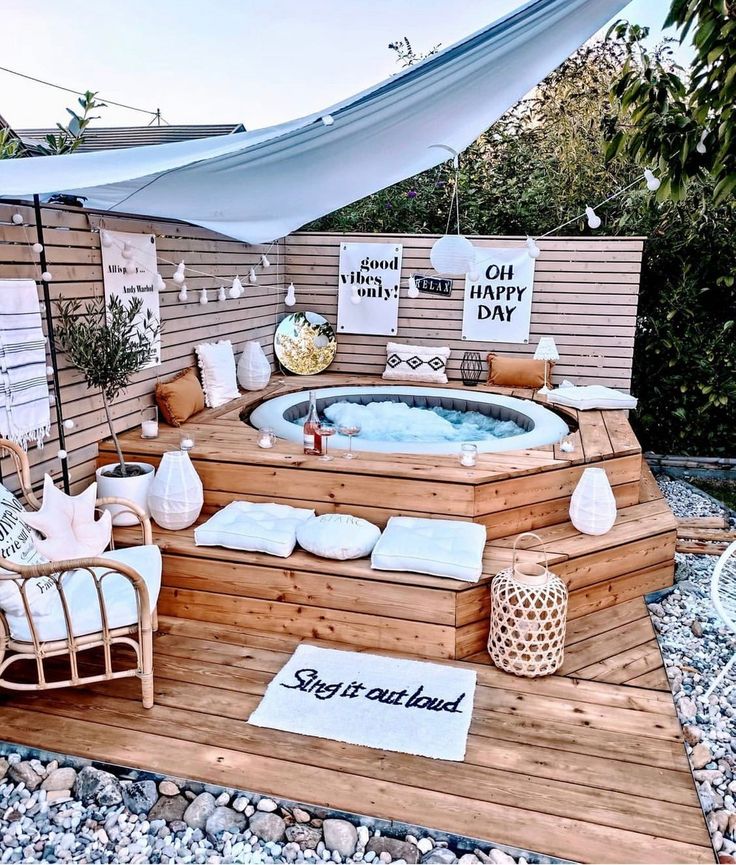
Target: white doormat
414	707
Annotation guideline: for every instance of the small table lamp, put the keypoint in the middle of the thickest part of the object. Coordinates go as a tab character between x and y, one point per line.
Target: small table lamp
546	351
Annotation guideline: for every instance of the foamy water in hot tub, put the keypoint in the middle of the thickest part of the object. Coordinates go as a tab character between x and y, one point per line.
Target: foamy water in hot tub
494	422
399	422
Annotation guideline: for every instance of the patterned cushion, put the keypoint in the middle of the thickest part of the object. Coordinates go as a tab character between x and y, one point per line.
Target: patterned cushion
416	363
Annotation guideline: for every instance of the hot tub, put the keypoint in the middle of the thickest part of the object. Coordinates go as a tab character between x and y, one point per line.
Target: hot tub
536	425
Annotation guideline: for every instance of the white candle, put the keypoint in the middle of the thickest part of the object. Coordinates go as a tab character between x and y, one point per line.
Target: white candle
149	429
265	441
468	454
468	459
186	444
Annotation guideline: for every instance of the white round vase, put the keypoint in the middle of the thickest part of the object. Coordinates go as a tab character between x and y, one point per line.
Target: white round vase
134	489
593	505
176	496
254	370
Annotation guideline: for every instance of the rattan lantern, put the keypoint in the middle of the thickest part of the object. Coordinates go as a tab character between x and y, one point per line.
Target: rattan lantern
471	368
528	617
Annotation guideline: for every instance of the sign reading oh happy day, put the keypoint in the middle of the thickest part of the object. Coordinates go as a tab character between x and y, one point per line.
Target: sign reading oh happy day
498	305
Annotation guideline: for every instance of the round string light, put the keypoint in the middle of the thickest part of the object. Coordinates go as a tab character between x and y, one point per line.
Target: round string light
413	291
252	278
17	219
179	275
532	248
594	221
290	298
37	248
183	292
203	299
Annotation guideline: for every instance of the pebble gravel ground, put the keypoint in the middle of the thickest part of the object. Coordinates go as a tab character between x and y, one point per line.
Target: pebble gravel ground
696	645
51	812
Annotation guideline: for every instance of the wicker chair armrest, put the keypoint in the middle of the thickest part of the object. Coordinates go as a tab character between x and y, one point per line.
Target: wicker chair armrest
142	517
50	569
23	470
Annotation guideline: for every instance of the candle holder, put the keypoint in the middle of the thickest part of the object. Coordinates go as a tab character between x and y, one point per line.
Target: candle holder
468	454
471	368
266	438
186	442
149	422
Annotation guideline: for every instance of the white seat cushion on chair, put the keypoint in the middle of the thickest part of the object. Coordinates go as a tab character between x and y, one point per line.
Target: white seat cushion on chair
443	548
83	603
338	536
264	528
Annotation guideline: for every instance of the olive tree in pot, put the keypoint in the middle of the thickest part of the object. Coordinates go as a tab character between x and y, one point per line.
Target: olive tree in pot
108	344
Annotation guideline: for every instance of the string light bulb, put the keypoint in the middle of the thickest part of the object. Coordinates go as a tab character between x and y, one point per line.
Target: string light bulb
37	248
130	268
68	424
594	221
183	292
653	183
290	298
252	277
128	251
700	146
46	276
355	298
179	275
203	299
105	238
236	289
17	219
532	248
61	454
158	281
221	296
49	370
265	262
413	291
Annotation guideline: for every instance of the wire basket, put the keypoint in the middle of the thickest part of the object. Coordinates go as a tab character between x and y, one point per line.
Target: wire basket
528	617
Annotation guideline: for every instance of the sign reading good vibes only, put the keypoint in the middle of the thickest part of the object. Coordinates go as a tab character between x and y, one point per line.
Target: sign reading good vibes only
369	273
414	707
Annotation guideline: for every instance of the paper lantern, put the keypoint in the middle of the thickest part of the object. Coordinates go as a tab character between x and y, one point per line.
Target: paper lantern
452	254
593	505
175	497
254	370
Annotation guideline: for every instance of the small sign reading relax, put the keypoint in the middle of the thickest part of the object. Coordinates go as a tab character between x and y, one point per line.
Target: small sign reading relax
414	707
434	285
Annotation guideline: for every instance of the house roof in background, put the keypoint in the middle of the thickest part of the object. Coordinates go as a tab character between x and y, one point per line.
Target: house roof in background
113	138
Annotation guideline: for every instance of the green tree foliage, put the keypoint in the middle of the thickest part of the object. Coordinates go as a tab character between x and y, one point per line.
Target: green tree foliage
685	124
541	164
66	139
108	344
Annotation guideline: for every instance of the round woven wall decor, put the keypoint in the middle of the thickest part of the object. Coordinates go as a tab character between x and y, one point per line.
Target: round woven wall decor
528	617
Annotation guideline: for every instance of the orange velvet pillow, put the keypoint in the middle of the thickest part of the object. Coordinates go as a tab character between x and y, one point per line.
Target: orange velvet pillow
516	371
180	397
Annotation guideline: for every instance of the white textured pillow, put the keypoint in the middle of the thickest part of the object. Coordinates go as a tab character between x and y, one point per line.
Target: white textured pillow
443	548
591	396
219	377
266	528
338	536
17	544
416	363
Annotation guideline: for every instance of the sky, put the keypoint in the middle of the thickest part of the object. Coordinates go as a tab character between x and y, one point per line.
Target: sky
258	62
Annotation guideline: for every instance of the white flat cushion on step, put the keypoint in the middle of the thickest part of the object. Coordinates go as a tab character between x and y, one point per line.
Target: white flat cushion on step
83	603
268	528
591	396
443	548
338	536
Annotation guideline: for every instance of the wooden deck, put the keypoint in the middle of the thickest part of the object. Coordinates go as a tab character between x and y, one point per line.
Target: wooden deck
592	771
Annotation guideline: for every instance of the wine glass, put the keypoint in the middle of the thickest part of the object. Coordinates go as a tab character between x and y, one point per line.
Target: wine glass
349	430
326	429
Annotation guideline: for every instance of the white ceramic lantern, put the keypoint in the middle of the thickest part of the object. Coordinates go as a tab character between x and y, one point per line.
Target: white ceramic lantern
452	254
593	505
254	370
175	497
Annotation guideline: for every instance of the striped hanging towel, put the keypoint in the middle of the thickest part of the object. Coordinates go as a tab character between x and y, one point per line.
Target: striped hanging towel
24	394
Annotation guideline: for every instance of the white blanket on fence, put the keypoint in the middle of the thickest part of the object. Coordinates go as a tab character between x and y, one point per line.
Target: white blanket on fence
24	394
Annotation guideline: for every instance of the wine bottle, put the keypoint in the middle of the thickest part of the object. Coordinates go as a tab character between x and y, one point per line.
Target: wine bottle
312	438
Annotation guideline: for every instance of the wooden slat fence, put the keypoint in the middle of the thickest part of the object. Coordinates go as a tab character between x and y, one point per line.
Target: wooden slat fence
74	259
585	296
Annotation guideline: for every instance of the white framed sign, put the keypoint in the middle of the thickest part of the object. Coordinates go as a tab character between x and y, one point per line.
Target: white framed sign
131	277
498	305
373	272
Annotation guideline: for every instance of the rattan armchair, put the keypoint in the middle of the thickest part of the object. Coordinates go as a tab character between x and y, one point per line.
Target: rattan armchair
31	654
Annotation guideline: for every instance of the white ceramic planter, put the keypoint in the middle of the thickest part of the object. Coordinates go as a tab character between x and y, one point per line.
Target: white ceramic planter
175	497
134	489
254	370
593	505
